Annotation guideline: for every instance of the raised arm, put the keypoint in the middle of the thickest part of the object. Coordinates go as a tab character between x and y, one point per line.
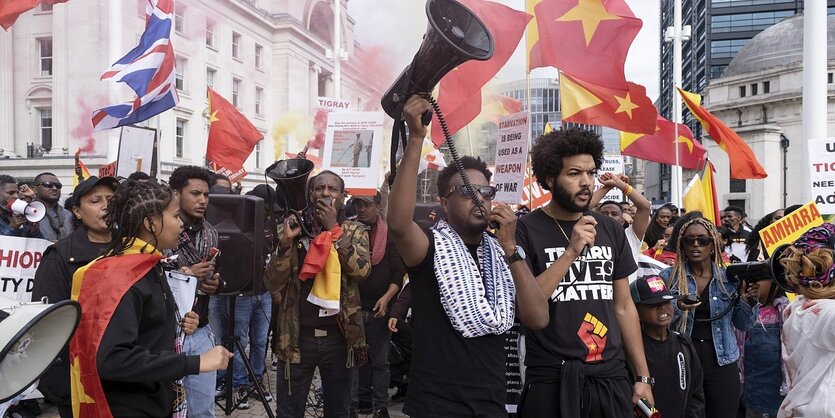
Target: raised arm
411	242
641	220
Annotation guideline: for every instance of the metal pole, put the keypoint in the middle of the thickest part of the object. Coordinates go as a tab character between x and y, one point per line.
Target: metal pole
675	174
814	86
337	49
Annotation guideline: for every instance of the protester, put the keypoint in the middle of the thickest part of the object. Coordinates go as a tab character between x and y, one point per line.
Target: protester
660	220
671	358
222	181
400	354
318	326
465	286
129	318
57	224
12	224
658	251
576	366
54	276
26	190
370	392
809	329
699	271
191	185
139	176
733	217
725	241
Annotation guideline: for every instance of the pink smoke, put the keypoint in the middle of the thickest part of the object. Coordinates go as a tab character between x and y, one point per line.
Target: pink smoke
83	131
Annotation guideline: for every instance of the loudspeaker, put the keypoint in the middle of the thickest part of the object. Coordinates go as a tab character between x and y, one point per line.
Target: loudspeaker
291	177
454	35
239	221
32	334
34	211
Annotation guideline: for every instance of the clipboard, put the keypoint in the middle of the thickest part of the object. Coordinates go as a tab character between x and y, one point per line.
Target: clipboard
184	288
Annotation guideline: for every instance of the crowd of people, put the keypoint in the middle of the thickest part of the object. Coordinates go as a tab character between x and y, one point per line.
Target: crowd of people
622	309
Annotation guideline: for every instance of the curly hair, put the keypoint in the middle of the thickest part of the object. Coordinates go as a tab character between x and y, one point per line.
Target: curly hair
469	163
550	149
816	263
133	202
678	276
180	177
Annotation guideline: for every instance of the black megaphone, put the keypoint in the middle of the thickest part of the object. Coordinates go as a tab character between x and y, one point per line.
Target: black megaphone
291	177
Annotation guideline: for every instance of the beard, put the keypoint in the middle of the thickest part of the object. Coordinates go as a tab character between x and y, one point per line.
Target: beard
464	224
566	201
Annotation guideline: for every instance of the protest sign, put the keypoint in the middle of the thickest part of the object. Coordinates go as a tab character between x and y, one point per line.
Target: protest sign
353	149
19	258
790	227
612	163
137	146
511	157
822	174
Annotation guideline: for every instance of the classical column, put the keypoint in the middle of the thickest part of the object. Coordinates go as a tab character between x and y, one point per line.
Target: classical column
7	125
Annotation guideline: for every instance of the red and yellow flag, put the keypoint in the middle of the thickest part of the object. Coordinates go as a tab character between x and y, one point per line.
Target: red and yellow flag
460	90
81	171
744	164
232	137
661	146
11	9
584	37
99	287
626	109
700	195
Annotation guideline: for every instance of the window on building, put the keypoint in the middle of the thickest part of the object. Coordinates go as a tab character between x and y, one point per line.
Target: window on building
45	53
766	87
210	77
179	17
738	203
259	94
259	51
46	6
179	74
258	153
45	127
735	3
742	91
180	138
742	22
737	186
210	33
236	88
726	48
323	83
829	78
143	7
236	45
754	89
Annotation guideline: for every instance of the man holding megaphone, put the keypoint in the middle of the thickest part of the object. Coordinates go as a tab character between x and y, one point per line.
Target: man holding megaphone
18	218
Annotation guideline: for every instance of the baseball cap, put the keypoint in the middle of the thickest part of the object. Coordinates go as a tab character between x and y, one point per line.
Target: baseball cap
651	290
377	198
87	185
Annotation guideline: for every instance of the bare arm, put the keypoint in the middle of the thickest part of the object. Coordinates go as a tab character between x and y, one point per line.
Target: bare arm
641	220
633	344
411	242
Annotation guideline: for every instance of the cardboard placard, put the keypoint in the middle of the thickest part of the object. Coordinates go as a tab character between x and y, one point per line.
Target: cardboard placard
19	258
511	157
137	146
353	149
822	174
790	227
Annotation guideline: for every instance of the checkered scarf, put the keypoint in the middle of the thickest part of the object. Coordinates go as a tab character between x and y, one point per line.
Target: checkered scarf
476	305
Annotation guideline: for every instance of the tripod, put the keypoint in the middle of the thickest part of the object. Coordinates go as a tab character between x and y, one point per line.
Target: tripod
230	341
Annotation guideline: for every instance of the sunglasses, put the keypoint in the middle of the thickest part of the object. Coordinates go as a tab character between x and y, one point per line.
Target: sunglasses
51	184
487	192
703	241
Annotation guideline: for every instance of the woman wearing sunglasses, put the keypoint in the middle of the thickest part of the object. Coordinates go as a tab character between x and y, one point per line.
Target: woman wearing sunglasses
710	320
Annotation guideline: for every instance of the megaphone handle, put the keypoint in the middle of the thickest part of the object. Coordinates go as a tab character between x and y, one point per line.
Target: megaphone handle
426	118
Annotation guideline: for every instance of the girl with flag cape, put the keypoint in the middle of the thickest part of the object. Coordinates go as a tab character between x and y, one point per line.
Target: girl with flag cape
123	358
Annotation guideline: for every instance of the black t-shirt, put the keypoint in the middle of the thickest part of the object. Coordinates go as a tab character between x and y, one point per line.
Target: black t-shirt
451	376
390	270
666	363
583	324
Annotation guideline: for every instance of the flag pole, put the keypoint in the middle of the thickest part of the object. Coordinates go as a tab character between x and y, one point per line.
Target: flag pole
528	169
676	172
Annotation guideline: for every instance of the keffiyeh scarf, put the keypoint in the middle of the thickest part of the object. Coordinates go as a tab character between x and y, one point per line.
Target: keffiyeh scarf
477	301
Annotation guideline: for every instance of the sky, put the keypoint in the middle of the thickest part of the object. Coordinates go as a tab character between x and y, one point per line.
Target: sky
398	27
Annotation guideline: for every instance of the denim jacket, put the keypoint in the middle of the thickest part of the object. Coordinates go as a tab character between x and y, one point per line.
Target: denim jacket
743	316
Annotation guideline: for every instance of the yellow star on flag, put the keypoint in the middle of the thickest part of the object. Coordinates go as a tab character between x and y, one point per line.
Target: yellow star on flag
685	140
213	117
590	13
625	104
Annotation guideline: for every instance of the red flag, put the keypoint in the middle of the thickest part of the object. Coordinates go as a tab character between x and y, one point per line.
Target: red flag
11	9
460	90
626	110
231	137
588	38
744	164
660	146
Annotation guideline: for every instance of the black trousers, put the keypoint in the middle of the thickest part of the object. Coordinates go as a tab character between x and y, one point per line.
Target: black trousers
721	383
542	400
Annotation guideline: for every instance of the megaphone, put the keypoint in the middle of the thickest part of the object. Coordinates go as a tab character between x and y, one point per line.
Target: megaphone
768	269
34	211
291	177
454	35
32	334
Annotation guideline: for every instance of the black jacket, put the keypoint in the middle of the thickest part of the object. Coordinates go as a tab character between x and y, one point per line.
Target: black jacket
53	279
136	360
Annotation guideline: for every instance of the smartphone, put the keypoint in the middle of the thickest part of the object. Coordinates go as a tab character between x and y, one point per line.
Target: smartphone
213	253
691	299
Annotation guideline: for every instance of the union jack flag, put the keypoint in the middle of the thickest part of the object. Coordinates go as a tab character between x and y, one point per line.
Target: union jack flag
148	69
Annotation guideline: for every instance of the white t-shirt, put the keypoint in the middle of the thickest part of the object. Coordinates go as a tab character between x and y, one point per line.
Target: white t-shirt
646	265
809	357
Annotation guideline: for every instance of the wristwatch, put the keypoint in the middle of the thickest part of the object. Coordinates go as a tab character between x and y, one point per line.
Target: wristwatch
643	379
517	255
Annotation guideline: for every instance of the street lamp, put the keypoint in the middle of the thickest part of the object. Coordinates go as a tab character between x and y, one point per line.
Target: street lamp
784	144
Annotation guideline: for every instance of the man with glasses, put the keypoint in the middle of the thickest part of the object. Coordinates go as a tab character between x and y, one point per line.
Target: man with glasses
11	224
576	366
58	223
465	284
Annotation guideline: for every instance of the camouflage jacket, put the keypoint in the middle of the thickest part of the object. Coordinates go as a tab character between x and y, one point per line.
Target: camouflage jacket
282	280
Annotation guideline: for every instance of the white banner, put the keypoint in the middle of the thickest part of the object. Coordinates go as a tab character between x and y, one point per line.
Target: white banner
511	157
612	163
19	258
822	174
353	149
136	150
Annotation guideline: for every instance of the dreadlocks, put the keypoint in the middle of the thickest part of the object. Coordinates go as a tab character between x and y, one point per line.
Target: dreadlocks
679	272
133	202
